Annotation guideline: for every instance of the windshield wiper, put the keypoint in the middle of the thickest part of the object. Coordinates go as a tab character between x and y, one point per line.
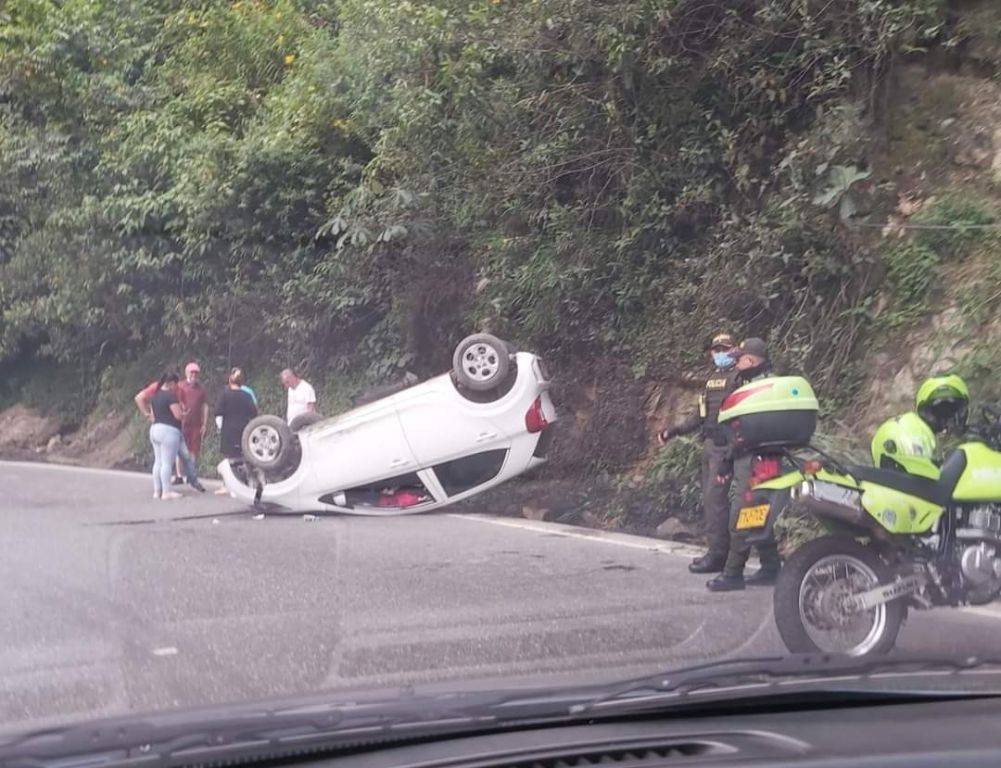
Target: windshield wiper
773	675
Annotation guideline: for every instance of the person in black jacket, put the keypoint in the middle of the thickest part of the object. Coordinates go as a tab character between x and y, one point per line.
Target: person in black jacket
235	410
715	504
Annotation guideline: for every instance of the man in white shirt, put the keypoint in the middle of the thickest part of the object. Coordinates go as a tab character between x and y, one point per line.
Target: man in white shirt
301	395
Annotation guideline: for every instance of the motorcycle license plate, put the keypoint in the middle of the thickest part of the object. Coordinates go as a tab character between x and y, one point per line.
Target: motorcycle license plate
752	517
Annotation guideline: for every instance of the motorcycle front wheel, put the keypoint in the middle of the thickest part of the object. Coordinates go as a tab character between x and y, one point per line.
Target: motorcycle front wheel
811	600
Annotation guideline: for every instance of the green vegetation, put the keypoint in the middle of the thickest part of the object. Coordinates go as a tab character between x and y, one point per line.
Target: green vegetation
350	188
912	268
678	466
960	220
947	230
330	186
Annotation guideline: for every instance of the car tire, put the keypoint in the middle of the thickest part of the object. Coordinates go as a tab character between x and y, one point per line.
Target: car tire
304	420
481	362
267	443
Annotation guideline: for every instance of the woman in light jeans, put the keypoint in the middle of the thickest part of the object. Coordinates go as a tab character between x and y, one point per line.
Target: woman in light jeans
165	434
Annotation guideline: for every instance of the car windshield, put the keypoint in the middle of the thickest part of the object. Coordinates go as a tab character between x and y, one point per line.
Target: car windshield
376	345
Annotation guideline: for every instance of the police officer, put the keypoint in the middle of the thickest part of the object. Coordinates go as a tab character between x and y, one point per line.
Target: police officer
909	442
715	486
752	363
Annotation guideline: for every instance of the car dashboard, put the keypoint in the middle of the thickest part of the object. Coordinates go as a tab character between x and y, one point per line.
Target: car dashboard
954	733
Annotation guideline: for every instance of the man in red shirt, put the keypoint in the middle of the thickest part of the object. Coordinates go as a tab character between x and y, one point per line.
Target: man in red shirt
195	412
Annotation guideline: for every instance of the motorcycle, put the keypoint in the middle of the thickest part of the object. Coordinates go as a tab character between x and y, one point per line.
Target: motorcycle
893	541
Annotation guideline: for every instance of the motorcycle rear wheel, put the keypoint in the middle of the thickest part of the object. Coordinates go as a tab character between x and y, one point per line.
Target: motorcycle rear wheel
809	595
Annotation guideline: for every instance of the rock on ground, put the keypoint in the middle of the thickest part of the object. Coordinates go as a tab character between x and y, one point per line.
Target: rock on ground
673	528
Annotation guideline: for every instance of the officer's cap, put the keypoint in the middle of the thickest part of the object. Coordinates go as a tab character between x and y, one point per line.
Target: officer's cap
754	346
722	341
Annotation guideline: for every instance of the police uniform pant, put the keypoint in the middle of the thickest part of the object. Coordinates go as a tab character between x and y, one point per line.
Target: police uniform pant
715	499
740	550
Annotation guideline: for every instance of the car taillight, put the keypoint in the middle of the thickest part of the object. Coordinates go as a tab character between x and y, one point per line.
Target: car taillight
765	469
535	420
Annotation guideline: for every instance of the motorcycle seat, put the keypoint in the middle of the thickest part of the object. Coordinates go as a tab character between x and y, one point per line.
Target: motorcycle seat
921	487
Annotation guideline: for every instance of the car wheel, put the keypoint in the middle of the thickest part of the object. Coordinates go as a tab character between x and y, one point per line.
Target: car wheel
481	362
267	443
304	420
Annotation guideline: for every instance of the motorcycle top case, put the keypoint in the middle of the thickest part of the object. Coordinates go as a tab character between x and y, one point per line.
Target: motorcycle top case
774	412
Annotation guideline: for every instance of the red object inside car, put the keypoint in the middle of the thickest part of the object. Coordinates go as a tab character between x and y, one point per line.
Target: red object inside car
399	499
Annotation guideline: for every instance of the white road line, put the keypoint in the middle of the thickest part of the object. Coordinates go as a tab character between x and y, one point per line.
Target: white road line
989	611
589	534
71	468
122	473
992	611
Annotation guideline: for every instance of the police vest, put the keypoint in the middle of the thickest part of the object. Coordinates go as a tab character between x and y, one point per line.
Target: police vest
716	391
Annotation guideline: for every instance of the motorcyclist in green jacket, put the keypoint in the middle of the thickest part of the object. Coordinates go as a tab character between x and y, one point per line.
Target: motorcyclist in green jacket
909	442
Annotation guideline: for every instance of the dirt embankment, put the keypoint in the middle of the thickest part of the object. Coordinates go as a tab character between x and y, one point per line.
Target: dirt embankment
103	441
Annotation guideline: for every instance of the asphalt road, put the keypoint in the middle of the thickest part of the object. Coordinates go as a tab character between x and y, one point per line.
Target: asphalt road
113	602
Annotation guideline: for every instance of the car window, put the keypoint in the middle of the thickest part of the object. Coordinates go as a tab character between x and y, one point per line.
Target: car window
392	492
468	472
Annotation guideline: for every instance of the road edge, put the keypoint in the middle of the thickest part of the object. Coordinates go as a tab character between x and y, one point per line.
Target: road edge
634	541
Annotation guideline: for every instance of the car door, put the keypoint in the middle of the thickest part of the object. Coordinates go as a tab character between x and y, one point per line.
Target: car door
361	446
440	425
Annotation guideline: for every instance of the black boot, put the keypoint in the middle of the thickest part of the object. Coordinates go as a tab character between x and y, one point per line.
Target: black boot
764	577
727	581
708	563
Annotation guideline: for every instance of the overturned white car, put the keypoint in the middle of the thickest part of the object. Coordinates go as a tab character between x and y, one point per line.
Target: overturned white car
420	448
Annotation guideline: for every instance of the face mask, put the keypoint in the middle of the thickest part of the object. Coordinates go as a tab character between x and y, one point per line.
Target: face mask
722	359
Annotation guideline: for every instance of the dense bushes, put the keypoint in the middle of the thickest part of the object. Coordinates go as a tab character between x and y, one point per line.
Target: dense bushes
353	187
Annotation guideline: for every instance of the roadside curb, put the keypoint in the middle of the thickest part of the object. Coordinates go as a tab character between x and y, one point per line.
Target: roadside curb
633	541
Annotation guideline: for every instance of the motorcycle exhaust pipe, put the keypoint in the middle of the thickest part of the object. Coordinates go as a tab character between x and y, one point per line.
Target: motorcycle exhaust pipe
806	498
